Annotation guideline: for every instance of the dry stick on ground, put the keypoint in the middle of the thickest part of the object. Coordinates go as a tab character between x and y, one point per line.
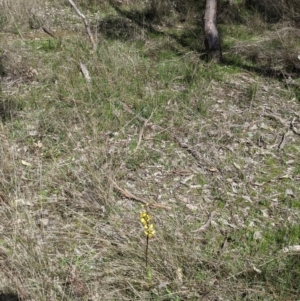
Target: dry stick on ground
285	124
85	72
293	128
277	118
206	225
282	141
161	129
86	24
142	132
254	268
47	31
131	196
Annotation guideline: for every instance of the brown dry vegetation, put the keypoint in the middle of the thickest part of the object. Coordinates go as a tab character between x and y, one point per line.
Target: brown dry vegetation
216	146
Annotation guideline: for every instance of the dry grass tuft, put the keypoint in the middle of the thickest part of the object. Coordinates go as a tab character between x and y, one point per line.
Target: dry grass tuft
216	147
15	15
276	10
275	51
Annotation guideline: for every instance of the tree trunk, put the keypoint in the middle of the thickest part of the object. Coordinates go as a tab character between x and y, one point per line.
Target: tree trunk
212	42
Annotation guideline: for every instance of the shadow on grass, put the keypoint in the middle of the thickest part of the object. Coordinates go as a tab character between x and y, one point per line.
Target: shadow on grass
275	11
129	24
134	24
268	72
262	71
282	276
9	297
8	109
118	28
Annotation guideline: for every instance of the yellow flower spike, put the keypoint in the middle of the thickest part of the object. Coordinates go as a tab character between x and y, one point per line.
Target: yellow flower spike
149	231
151	234
145	217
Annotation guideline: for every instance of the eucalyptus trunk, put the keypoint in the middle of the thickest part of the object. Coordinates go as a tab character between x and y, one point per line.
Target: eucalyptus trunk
212	41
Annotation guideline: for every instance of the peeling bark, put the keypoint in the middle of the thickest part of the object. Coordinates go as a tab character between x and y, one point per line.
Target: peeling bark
212	41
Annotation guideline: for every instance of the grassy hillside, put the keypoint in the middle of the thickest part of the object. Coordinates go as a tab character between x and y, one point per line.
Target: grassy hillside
214	150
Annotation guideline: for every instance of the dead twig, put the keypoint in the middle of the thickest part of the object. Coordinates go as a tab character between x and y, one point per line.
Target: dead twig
285	124
256	269
85	72
206	225
282	141
47	31
293	128
86	24
174	137
277	118
131	196
142	132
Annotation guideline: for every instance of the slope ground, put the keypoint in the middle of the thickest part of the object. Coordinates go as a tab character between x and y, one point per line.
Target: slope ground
216	146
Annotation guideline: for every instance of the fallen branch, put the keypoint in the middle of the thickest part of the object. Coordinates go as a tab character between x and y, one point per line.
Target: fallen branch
86	24
131	196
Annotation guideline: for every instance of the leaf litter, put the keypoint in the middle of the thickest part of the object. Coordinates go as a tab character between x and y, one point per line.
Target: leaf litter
230	175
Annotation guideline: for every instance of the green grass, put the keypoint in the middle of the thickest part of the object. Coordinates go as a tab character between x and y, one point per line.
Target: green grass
69	234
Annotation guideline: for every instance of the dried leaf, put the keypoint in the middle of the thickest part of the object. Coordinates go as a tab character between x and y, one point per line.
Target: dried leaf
33	133
39	144
237	166
284	177
22	202
265	212
191	206
259	184
289	192
257	235
44	222
85	72
256	270
179	275
25	163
